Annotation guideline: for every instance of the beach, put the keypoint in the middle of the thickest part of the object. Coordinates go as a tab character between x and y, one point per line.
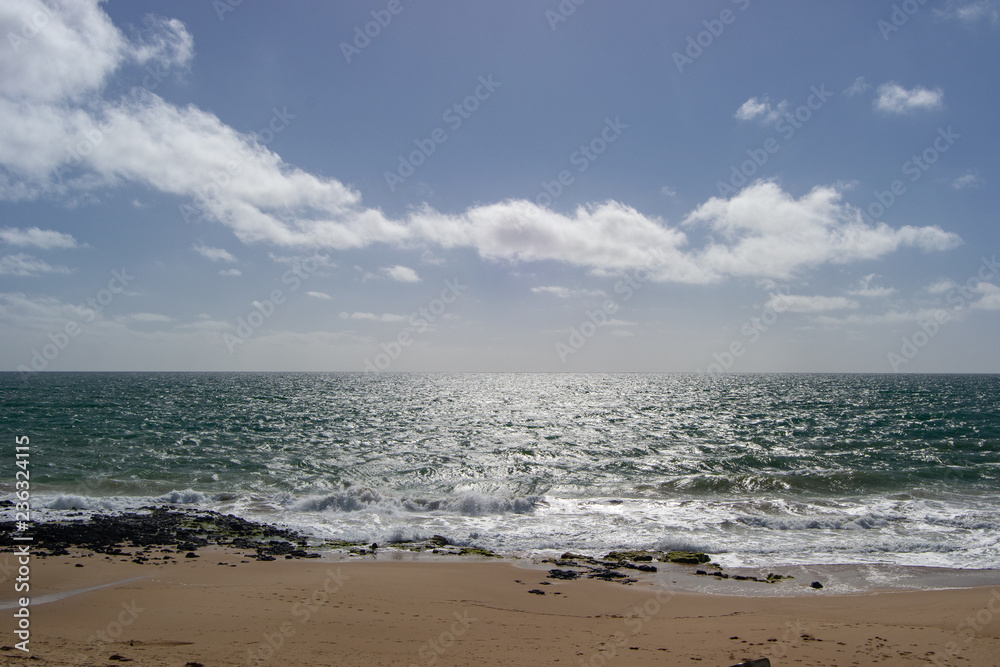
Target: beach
224	608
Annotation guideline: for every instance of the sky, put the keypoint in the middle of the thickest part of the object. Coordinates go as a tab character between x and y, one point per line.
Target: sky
532	185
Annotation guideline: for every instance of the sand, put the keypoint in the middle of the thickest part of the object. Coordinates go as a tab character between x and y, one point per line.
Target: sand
460	612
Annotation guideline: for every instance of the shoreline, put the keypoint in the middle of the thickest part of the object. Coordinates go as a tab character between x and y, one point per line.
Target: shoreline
153	531
222	608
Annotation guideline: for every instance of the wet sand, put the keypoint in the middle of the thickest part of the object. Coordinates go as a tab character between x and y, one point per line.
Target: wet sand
363	612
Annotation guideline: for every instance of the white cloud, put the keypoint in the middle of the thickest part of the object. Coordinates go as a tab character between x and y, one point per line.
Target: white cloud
54	94
668	191
971	11
566	293
765	232
319	295
427	257
797	303
214	254
859	87
205	323
384	317
230	272
891	317
969	179
761	109
143	317
893	98
403	274
942	286
867	288
990	299
27	266
46	239
614	322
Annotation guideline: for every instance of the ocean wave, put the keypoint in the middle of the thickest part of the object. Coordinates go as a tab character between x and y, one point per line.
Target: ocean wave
469	503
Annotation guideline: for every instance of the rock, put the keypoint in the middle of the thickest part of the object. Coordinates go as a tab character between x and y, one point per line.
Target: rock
641	568
191	554
564	574
537	591
816	585
685	557
439	541
638	556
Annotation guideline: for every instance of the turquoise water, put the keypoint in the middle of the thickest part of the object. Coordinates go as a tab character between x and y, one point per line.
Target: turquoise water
762	469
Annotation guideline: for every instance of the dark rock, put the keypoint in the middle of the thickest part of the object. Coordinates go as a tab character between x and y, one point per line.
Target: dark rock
439	541
641	568
564	574
815	584
191	554
537	591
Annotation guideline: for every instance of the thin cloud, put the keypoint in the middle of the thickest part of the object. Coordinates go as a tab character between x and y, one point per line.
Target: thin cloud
990	299
46	239
403	274
214	254
566	293
384	317
867	288
970	179
893	98
761	109
319	295
793	303
27	266
143	317
971	11
859	87
230	272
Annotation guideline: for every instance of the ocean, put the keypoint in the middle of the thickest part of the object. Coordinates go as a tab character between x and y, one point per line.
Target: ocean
757	470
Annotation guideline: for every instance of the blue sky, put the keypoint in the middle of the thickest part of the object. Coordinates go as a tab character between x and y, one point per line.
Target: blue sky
518	186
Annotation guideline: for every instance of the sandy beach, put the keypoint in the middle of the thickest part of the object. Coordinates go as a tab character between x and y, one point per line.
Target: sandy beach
217	610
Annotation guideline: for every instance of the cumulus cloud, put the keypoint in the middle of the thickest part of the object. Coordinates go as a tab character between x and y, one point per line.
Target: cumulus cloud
46	239
403	274
893	98
765	232
761	109
27	266
54	94
214	254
